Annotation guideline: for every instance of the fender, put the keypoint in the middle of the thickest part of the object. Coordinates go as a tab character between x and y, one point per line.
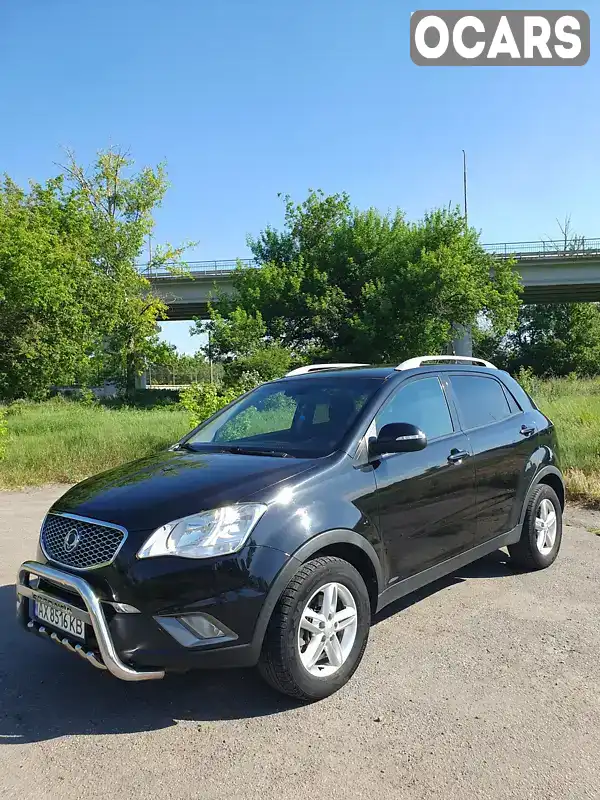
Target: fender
537	479
302	554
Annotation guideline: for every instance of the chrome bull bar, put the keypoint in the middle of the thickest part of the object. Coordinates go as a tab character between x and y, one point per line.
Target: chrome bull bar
89	655
95	614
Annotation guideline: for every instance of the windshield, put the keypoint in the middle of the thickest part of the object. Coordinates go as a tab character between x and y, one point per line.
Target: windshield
300	418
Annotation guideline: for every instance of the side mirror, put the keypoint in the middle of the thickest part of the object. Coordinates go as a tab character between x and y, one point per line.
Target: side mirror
398	437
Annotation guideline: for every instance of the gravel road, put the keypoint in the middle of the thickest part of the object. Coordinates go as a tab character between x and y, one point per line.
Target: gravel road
485	685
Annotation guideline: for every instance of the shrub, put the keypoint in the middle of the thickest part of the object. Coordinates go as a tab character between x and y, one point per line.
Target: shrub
528	380
87	397
247	381
145	399
17	407
202	400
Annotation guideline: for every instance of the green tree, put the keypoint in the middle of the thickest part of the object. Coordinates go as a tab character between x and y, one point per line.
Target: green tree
120	205
50	291
342	284
555	339
73	306
241	344
265	364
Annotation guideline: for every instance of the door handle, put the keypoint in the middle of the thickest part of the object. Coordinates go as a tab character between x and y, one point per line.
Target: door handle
527	430
456	456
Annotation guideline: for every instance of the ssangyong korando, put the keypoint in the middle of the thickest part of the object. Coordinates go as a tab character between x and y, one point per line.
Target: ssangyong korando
273	532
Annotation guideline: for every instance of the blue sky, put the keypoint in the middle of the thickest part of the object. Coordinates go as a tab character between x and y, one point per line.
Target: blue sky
247	99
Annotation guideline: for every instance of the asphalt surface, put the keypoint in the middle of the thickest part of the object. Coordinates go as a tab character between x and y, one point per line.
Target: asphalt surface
484	685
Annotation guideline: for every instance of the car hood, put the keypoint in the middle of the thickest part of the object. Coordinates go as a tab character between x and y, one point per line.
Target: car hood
148	493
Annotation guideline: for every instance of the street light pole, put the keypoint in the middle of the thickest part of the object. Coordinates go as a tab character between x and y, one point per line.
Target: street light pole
465	185
149	270
462	340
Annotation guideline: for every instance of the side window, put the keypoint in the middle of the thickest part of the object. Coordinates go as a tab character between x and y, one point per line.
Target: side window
421	403
481	401
515	408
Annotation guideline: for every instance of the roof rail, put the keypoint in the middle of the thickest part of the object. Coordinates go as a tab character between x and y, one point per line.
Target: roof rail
317	367
411	363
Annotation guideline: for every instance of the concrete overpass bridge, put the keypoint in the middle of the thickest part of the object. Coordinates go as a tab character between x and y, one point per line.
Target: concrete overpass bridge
551	271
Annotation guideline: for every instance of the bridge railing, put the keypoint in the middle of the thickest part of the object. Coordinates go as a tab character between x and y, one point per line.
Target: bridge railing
222	267
579	247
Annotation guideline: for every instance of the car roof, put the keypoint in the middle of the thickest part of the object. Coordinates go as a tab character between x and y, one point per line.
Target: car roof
365	372
384	373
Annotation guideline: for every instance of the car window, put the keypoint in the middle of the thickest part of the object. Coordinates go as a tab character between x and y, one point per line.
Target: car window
515	408
275	413
421	403
481	400
303	417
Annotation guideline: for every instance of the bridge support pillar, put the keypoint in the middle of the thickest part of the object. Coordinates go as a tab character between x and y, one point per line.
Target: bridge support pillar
141	381
462	341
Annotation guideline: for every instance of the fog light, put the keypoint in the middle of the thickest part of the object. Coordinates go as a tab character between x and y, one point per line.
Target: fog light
202	626
194	629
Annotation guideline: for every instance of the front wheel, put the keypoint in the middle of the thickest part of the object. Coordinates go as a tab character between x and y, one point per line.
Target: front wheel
542	531
319	630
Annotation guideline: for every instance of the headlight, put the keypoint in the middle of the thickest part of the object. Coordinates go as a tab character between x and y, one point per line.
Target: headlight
211	533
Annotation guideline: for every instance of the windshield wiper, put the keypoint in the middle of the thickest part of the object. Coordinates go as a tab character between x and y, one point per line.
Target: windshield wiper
236	449
183	446
250	451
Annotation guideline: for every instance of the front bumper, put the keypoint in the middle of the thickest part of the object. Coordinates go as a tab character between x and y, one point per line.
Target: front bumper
107	656
146	641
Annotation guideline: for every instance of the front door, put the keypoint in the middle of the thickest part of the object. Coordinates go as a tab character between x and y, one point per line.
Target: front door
426	499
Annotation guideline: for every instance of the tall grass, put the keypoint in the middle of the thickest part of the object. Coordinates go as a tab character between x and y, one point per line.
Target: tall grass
65	441
574	407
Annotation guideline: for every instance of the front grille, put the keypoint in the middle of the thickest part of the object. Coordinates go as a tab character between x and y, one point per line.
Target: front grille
78	543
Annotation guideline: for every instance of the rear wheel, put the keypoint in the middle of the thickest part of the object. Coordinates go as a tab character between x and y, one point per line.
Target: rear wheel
542	531
319	630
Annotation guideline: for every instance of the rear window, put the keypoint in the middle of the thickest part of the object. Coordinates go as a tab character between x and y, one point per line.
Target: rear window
481	400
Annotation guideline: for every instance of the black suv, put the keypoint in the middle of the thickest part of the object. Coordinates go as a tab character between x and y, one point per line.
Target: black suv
273	532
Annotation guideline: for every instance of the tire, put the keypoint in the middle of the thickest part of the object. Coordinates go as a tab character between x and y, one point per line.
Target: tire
286	654
528	553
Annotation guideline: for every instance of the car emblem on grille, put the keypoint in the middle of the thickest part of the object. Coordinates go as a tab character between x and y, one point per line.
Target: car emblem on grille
71	540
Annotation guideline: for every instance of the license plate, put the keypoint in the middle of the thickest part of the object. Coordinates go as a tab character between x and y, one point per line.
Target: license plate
59	616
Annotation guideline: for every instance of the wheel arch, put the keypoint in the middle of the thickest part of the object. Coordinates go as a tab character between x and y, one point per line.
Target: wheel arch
343	543
555	481
550	476
361	562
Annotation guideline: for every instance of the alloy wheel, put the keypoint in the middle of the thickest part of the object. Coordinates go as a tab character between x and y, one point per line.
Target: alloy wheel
545	526
327	630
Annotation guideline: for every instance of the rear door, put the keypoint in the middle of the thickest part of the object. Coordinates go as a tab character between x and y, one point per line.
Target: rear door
502	439
426	499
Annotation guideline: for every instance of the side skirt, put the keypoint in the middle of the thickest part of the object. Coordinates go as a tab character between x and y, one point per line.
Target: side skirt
453	564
